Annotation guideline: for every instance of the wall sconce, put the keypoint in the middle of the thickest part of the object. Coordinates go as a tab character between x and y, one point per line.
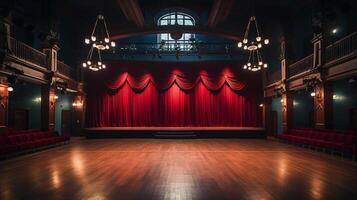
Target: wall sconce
37	100
10	89
77	104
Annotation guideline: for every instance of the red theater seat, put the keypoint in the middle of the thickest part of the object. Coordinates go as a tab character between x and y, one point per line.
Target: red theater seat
342	141
27	140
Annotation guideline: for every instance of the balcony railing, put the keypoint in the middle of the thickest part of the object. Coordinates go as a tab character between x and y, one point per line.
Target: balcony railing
341	48
179	47
25	52
66	70
300	66
274	77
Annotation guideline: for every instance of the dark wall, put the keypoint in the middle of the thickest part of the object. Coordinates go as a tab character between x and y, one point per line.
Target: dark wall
27	96
302	109
344	99
276	106
63	102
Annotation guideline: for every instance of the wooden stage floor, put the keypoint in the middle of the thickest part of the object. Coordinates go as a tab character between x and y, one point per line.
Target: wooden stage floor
178	169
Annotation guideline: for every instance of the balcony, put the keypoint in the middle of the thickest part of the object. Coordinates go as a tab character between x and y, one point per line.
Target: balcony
66	70
28	55
274	77
340	51
300	66
182	47
342	48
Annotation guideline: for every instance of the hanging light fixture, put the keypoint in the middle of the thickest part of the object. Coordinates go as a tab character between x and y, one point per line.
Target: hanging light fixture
253	43
99	37
94	60
255	62
99	40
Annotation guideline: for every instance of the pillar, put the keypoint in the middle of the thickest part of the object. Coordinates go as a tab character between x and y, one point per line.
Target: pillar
287	110
283	62
79	113
4	101
318	51
51	53
48	91
48	101
323	105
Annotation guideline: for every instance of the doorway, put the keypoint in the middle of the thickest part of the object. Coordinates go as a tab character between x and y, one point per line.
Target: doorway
273	122
66	122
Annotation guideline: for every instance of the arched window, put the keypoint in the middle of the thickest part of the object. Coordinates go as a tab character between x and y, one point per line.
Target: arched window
171	19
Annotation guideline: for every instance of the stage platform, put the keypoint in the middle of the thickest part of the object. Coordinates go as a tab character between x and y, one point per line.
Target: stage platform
175	132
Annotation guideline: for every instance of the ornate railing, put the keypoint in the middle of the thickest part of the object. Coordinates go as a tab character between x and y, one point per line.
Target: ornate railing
179	47
66	70
300	66
274	77
25	52
341	48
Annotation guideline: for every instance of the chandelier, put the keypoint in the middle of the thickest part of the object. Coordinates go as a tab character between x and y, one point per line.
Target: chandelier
99	40
94	60
100	36
252	44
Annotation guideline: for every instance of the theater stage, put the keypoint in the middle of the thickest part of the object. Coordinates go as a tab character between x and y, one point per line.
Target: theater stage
175	132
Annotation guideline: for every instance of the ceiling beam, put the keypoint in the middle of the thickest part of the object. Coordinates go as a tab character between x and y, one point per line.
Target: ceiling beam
132	11
219	12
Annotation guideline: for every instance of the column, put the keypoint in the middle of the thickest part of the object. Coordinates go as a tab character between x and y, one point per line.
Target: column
79	113
4	100
323	105
287	110
48	101
48	91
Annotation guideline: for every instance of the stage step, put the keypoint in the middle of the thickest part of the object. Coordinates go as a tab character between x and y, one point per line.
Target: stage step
175	134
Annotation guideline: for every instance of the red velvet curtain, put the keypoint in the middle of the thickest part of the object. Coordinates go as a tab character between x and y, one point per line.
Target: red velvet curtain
173	94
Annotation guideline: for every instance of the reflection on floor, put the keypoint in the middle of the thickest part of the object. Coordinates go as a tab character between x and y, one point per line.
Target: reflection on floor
177	169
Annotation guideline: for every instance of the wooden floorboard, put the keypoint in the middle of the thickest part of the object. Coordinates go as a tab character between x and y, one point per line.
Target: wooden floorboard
178	169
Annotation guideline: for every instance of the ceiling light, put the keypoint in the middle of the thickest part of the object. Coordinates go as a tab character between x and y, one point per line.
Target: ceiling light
99	40
99	36
240	44
255	58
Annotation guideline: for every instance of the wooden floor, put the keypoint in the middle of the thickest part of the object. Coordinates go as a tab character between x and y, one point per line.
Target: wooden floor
178	169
